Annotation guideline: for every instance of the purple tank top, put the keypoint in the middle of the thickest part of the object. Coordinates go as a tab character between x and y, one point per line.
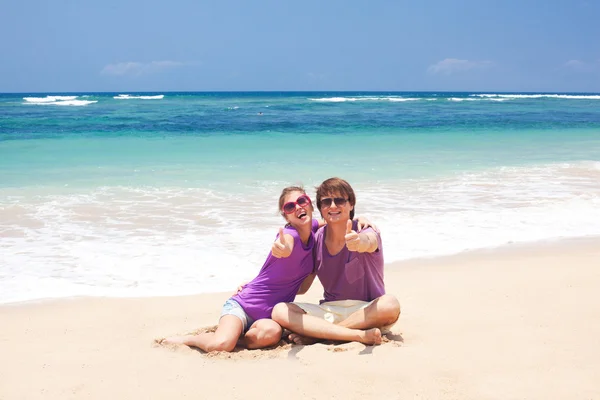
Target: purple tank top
279	278
349	275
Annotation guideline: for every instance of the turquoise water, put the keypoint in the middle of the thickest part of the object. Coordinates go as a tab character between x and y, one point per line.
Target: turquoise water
138	194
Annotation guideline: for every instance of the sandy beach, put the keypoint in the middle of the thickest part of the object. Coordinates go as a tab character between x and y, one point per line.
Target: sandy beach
518	322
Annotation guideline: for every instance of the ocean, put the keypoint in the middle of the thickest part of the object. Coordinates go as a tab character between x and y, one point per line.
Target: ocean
159	194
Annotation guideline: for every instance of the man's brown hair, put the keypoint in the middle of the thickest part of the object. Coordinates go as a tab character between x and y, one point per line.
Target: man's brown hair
336	185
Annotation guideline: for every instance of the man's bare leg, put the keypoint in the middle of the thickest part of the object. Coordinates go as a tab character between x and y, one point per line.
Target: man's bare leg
223	339
384	310
296	338
303	340
295	319
262	333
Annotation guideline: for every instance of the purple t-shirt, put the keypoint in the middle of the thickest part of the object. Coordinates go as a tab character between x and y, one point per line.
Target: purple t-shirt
349	275
279	278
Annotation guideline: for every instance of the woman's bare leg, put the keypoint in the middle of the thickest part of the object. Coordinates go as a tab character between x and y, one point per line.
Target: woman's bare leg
223	339
262	333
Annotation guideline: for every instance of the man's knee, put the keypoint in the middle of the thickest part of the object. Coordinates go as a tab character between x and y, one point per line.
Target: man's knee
388	308
282	311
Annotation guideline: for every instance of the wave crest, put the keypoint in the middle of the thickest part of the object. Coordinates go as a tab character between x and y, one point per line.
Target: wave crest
130	97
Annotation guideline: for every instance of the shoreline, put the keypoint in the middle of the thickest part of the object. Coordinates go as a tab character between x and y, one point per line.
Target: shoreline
505	249
513	248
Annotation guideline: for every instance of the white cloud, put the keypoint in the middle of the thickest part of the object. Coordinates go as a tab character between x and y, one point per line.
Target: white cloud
132	68
451	66
316	76
582	66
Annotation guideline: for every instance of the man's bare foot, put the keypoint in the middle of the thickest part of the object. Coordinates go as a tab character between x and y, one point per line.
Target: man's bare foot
371	336
303	340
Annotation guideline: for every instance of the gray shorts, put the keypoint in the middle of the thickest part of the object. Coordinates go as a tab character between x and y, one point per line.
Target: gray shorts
232	307
337	311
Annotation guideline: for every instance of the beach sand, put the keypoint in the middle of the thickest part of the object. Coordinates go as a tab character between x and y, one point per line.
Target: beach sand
519	322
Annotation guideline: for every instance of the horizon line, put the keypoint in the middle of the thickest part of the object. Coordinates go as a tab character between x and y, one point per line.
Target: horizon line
308	91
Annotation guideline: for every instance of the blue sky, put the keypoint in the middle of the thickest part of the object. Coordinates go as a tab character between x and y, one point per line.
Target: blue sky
152	45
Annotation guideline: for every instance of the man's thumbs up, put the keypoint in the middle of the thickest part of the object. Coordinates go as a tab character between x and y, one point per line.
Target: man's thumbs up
352	238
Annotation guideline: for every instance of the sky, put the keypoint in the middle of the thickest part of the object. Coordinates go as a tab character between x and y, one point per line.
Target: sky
309	45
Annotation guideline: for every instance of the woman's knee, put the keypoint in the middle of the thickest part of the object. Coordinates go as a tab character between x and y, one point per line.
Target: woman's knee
223	344
264	333
271	334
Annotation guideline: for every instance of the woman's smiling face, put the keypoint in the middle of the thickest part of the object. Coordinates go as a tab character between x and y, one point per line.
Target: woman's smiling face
302	214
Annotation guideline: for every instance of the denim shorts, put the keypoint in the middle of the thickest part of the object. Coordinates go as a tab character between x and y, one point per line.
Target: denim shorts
232	307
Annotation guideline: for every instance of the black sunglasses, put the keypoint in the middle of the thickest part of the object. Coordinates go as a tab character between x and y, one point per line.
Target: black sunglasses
339	201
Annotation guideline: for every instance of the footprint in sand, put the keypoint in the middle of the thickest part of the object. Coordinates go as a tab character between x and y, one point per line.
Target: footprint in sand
337	349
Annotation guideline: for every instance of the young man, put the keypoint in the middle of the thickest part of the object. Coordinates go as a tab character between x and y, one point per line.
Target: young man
350	267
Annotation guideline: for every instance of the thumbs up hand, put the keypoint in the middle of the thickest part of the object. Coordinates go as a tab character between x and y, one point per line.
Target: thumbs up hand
281	248
352	238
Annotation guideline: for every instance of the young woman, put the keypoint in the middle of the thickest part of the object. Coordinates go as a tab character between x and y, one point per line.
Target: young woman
246	317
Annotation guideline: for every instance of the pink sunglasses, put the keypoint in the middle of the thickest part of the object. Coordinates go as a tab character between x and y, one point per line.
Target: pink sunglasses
302	201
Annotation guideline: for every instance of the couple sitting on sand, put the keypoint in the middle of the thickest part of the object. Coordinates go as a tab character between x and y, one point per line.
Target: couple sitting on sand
348	261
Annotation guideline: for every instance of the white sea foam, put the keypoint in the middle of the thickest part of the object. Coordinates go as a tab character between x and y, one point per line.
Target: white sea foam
130	97
334	99
48	99
58	101
459	99
472	97
488	209
74	102
363	98
401	99
539	96
120	241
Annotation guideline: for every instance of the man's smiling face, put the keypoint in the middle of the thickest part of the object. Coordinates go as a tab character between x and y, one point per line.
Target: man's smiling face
335	207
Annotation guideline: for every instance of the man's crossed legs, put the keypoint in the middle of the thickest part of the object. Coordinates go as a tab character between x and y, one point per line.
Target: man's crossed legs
346	320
